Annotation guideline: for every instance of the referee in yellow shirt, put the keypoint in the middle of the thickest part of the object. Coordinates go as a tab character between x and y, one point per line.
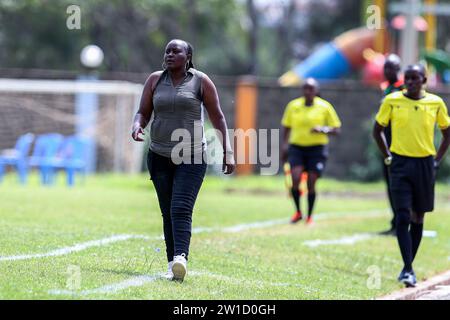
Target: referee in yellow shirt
307	122
412	158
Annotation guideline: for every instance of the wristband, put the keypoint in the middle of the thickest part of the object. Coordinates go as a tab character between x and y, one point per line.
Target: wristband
436	164
326	130
388	161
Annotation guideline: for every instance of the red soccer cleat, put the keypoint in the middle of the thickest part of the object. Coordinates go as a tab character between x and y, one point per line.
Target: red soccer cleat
296	217
309	221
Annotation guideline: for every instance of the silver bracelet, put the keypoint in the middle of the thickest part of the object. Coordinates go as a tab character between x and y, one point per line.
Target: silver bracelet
326	130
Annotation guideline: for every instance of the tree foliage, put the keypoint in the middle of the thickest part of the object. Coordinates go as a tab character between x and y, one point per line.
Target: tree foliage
227	38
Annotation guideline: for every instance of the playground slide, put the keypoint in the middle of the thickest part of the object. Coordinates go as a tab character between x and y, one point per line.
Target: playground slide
333	60
440	60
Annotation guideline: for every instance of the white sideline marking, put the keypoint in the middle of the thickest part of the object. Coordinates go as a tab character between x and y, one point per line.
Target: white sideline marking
253	225
240	227
270	223
75	248
344	240
429	234
124	237
138	281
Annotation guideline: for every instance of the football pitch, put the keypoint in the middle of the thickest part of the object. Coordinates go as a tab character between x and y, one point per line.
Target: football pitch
102	239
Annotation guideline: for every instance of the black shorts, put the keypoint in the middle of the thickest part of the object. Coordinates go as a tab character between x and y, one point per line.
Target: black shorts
412	183
312	159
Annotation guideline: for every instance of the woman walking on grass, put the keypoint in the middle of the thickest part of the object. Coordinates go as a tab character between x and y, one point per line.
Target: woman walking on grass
174	96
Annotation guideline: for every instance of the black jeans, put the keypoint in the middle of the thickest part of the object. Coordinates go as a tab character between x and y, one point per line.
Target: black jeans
177	187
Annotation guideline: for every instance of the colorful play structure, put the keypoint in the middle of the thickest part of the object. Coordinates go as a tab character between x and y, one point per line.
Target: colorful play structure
364	50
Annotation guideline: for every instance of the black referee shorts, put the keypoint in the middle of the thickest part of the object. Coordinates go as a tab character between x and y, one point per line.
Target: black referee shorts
312	159
412	183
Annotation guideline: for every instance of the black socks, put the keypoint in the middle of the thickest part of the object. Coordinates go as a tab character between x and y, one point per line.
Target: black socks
296	196
404	238
415	231
409	236
311	201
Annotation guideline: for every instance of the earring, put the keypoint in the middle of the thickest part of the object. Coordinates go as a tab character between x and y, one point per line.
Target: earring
164	66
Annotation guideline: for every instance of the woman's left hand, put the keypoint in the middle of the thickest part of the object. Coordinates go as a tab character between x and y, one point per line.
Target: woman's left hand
228	165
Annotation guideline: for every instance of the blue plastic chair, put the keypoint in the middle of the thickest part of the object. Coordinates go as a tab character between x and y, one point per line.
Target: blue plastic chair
71	157
45	149
17	157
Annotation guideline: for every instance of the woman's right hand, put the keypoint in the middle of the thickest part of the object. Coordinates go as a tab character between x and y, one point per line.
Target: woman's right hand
136	132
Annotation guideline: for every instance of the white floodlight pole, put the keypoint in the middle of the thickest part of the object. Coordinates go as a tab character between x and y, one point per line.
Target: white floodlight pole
409	37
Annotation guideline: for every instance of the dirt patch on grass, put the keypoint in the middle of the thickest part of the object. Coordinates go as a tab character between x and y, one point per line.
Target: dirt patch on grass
331	194
376	195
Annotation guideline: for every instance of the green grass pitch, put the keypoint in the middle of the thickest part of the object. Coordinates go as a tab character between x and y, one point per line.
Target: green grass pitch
251	261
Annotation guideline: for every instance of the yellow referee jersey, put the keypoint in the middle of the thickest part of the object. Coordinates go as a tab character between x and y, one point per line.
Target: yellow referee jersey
301	119
413	122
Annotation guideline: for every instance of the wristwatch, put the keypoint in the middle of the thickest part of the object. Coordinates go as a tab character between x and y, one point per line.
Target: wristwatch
388	161
436	164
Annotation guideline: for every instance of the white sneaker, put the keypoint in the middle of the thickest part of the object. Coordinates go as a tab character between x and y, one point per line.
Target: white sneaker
179	267
169	274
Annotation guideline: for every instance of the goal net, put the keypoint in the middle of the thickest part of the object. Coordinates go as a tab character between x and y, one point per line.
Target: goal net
101	111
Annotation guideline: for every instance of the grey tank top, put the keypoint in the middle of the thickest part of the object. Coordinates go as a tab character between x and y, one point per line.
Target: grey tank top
175	108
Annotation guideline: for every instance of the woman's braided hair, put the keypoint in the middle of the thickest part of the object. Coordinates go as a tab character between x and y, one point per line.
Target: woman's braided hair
190	50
